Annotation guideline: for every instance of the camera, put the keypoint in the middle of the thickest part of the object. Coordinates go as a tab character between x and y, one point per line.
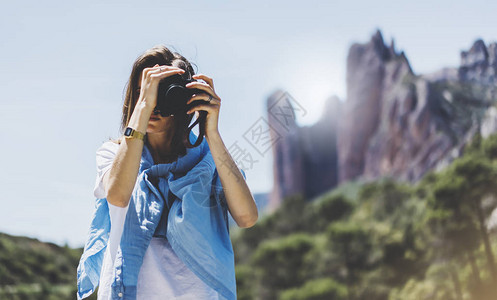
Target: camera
172	96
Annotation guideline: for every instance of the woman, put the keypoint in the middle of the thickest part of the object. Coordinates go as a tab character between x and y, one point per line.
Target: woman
167	269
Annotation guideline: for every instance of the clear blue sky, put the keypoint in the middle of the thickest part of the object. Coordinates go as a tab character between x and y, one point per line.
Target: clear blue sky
64	66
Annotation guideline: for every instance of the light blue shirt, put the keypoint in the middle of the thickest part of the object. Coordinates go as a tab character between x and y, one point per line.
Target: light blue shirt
195	222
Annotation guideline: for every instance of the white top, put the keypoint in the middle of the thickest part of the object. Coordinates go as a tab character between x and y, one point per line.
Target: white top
162	275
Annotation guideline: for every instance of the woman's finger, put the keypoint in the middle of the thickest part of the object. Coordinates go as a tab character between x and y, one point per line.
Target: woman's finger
207	79
205	87
203	96
167	73
159	69
207	107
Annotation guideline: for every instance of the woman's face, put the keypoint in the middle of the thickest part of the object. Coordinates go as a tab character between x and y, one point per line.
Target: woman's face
157	123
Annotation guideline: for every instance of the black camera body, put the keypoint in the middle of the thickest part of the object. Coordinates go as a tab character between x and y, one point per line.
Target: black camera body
172	95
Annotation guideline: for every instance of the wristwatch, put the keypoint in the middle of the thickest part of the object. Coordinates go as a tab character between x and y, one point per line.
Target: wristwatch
130	133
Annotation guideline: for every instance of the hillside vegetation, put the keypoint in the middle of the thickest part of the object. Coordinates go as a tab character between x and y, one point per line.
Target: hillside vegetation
380	240
30	269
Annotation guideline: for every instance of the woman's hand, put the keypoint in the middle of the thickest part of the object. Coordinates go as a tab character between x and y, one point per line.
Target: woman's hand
212	108
150	82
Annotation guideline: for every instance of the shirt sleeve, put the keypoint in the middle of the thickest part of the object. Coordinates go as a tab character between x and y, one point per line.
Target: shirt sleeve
104	158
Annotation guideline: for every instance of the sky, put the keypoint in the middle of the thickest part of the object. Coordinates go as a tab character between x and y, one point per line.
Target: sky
64	66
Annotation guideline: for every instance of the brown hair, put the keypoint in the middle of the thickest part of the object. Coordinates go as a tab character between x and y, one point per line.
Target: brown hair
160	55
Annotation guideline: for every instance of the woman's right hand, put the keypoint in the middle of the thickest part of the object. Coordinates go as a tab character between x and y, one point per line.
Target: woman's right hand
150	83
119	182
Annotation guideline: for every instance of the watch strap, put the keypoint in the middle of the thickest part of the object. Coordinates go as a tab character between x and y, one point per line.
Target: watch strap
131	133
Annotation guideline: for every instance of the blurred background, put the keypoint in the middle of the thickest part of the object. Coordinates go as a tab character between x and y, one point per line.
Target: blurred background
365	129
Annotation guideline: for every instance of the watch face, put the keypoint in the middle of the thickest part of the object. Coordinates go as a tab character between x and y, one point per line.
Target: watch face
127	132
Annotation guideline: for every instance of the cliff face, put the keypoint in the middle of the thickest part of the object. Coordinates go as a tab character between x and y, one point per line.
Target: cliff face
373	74
305	158
403	128
393	123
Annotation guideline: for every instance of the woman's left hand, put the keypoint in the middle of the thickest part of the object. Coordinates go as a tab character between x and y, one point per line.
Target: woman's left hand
212	107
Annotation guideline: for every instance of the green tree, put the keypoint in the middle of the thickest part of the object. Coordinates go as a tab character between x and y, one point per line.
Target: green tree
351	243
480	175
316	289
279	263
331	208
452	221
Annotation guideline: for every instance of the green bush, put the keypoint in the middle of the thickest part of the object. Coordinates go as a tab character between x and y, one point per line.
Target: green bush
317	289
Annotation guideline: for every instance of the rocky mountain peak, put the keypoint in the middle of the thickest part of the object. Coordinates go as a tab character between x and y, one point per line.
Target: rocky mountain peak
392	123
476	55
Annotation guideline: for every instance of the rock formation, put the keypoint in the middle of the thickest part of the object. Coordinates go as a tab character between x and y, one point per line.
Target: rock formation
305	159
393	123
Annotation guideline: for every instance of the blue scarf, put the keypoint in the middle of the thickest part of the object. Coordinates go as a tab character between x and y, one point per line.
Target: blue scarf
182	201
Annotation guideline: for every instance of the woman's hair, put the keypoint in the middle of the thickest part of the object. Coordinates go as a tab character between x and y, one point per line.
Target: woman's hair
160	55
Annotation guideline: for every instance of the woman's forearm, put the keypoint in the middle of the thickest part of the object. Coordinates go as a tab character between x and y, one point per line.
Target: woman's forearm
121	178
241	203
